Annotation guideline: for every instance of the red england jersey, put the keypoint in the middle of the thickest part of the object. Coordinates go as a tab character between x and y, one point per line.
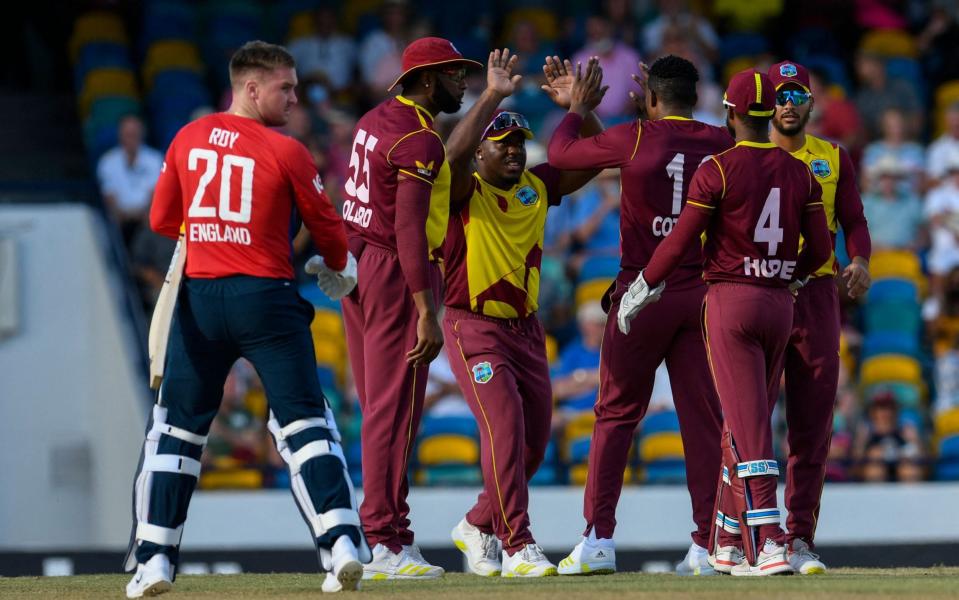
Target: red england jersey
757	193
240	189
657	161
395	139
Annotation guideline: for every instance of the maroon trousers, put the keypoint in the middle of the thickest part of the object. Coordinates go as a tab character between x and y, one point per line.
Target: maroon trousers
380	319
812	376
669	330
747	328
500	364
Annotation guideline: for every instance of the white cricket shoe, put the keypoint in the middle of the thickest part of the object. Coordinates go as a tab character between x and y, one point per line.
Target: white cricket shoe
726	558
696	562
592	556
152	578
347	569
771	561
528	562
408	563
803	560
482	550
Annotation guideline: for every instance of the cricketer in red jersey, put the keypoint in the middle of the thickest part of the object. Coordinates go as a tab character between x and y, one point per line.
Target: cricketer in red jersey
240	189
657	159
396	209
812	355
495	343
753	202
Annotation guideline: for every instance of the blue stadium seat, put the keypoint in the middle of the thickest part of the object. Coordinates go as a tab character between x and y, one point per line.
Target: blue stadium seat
835	71
546	475
893	316
579	450
464	425
665	471
737	45
947	470
890	342
599	267
97	55
910	71
312	293
949	448
892	290
659	422
451	475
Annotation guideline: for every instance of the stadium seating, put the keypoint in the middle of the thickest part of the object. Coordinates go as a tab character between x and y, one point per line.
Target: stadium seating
96	27
886	368
448	451
889	43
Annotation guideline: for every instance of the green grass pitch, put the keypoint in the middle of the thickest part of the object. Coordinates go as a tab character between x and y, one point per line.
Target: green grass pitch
939	582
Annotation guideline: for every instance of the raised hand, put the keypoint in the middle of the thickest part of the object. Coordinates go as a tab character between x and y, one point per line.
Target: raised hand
499	72
588	89
642	79
559	80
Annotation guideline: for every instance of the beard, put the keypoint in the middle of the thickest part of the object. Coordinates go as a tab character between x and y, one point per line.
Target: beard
792	130
447	102
730	128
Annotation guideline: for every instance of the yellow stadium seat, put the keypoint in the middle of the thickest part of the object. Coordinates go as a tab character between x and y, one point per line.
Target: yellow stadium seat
106	82
543	21
947	423
329	340
231	479
327	322
448	448
900	264
170	54
581	425
552	349
591	291
667	444
301	26
946	95
96	26
890	43
735	65
890	367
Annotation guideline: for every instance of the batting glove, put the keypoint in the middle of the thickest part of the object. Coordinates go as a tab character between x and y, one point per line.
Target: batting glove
637	296
334	284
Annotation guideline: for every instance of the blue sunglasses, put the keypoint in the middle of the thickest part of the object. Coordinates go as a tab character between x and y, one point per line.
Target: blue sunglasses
797	97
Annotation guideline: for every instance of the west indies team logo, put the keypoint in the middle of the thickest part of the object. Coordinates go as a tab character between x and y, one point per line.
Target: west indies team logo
788	70
527	196
482	372
820	168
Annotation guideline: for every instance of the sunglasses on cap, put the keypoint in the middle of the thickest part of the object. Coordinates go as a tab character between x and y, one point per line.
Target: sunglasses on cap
456	75
504	121
797	97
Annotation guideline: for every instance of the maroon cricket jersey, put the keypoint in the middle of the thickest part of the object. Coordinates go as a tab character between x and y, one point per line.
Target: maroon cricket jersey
395	139
757	193
657	161
239	188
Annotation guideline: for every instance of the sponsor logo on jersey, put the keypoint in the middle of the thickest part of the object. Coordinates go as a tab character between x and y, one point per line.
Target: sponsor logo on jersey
424	169
820	168
788	70
527	196
482	372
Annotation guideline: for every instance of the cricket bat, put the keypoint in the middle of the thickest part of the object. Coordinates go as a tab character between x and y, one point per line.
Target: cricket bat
163	314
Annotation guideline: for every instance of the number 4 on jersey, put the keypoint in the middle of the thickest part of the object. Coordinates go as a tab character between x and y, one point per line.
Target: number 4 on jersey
768	230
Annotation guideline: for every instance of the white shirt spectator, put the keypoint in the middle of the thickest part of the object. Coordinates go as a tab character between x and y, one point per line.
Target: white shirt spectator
943	202
940	155
333	56
130	184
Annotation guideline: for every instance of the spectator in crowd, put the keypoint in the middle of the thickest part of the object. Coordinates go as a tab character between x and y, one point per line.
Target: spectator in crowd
938	42
675	15
237	435
127	174
576	376
897	142
328	56
619	62
150	255
622	16
888	449
894	212
381	52
942	213
595	219
443	395
877	93
945	147
834	117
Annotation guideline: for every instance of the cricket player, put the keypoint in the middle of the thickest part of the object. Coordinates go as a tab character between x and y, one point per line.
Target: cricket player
495	342
752	202
396	209
657	159
812	355
240	189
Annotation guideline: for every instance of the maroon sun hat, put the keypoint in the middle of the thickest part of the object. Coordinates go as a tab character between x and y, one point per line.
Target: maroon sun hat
789	72
430	52
751	93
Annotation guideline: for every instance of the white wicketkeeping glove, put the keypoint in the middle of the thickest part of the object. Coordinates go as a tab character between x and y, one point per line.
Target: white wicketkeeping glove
637	296
334	284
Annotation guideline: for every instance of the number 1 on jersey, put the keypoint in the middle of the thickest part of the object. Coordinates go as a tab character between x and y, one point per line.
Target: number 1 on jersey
675	171
768	230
